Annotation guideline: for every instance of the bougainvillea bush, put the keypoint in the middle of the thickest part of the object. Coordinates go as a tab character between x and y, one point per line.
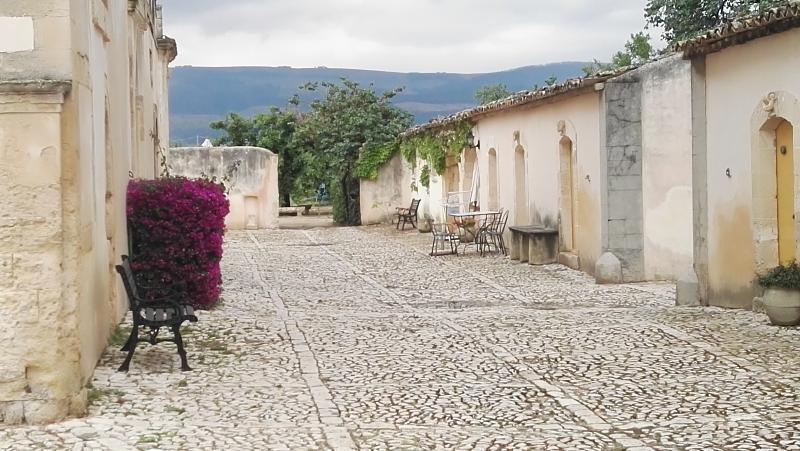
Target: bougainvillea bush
176	230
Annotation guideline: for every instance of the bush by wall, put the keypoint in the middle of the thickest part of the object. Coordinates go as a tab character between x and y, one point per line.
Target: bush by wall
176	230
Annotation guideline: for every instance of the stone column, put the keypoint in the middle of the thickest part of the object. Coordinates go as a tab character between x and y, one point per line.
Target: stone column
39	367
623	210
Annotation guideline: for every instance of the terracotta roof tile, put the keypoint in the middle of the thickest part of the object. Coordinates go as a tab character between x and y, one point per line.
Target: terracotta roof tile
741	30
519	99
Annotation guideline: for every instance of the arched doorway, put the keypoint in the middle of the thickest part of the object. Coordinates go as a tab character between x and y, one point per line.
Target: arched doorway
520	188
493	197
567	223
784	170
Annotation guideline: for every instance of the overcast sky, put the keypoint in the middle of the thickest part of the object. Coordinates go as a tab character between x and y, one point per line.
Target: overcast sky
399	35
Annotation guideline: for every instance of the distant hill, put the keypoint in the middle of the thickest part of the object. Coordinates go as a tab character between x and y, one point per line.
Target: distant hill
199	95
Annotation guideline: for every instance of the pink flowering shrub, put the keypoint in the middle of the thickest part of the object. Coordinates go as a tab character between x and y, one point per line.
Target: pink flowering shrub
176	230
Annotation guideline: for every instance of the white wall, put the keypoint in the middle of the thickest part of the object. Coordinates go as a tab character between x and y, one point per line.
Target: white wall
737	80
667	168
253	184
380	198
539	136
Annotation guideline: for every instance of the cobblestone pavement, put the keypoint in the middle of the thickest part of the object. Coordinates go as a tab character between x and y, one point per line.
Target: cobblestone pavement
356	339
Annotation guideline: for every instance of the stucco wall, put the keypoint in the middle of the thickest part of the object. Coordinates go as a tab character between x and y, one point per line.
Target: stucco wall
667	168
738	79
539	136
391	189
67	149
253	184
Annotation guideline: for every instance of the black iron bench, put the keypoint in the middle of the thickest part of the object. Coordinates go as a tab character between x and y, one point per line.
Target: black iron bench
534	244
408	215
170	309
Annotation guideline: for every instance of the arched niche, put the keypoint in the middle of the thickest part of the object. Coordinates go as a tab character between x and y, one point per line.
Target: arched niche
775	163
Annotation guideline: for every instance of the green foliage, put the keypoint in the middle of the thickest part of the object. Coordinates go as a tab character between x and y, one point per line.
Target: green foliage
552	80
351	130
373	157
638	50
595	67
433	146
491	93
685	19
425	176
784	276
274	130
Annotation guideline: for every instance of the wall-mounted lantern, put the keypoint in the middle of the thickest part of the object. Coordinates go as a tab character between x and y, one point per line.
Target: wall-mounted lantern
471	142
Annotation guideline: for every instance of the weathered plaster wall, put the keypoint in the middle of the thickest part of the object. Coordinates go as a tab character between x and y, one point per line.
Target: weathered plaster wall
539	136
623	214
391	189
738	79
66	161
667	168
253	184
48	21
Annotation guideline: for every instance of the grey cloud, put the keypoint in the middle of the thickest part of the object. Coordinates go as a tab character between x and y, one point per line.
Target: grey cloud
391	30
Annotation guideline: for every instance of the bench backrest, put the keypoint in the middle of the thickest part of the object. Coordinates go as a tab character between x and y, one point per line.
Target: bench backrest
129	281
414	206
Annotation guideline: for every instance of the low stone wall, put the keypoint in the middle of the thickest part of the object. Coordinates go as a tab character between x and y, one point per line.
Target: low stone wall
253	183
392	189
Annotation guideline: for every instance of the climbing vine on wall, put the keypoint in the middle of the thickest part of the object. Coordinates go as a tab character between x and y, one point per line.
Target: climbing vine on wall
425	176
434	146
373	157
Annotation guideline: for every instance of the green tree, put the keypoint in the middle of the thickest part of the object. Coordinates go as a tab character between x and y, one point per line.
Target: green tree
685	19
491	93
638	50
552	80
347	120
274	130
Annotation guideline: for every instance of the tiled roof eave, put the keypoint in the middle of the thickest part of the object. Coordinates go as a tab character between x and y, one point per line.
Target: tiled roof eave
525	98
742	30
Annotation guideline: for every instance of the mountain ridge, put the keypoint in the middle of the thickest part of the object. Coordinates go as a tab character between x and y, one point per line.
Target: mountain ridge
200	95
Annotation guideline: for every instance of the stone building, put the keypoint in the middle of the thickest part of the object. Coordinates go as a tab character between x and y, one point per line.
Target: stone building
746	142
667	171
83	107
250	174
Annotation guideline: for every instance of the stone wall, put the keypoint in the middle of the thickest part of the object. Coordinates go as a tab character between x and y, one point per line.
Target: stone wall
391	189
253	180
73	104
739	155
623	214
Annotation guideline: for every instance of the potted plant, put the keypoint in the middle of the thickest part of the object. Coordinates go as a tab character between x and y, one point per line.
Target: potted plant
782	294
426	224
466	230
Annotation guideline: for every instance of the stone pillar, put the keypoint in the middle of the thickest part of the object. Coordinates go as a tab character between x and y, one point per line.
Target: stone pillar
623	210
699	189
515	244
39	363
524	247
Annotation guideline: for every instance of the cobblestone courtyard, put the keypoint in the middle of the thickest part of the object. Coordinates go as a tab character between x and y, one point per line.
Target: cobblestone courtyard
356	339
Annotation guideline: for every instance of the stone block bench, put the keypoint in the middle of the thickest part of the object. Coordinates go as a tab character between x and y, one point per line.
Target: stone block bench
535	245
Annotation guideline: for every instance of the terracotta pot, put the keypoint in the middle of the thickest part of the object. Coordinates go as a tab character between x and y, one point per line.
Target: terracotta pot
425	226
467	232
782	306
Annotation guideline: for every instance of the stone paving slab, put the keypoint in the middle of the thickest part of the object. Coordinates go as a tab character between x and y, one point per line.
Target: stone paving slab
354	338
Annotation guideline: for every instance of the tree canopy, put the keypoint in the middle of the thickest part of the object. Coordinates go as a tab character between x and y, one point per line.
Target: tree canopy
274	130
347	124
638	50
492	93
685	19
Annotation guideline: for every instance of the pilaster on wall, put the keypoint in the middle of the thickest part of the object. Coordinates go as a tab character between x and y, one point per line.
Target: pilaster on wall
38	335
623	213
700	177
